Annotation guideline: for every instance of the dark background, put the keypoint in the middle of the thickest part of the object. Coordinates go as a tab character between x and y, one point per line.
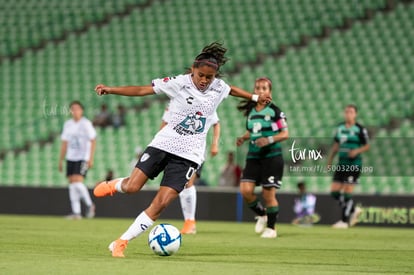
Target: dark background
396	211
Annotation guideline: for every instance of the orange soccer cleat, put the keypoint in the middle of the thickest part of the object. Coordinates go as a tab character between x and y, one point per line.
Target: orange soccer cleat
105	188
189	227
117	248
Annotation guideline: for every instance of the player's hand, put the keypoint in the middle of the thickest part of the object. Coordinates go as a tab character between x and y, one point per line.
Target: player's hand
352	153
101	89
261	142
90	163
214	150
264	99
60	166
240	141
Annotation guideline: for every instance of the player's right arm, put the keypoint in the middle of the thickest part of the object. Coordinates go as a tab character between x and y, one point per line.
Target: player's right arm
332	153
243	138
101	89
62	155
216	139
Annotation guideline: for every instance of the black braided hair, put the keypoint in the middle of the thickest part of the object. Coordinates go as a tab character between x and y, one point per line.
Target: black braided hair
212	55
245	106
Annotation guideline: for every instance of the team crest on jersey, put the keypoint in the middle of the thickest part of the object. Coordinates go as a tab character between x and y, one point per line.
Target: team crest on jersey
144	157
192	124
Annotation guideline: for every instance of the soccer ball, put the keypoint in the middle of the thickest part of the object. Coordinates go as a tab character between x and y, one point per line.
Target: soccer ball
164	239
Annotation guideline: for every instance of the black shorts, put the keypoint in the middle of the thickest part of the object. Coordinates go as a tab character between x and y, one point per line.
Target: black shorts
177	170
76	168
267	172
199	170
346	177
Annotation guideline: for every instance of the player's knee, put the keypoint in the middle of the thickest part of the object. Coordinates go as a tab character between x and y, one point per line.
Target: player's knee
246	190
247	194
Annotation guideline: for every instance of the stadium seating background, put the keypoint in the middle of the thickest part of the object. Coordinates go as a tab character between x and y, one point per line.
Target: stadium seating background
56	51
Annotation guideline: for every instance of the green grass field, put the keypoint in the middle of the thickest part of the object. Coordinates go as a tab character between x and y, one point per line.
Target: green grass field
53	245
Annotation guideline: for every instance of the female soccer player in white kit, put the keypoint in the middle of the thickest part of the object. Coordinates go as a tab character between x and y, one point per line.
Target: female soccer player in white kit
78	147
188	197
178	148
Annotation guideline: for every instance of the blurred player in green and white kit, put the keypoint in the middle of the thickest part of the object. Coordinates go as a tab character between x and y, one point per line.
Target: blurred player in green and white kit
350	141
266	128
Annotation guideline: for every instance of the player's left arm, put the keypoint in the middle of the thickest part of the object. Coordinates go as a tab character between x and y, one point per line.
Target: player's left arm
238	92
63	149
91	132
363	136
279	137
216	138
92	153
163	124
355	152
282	134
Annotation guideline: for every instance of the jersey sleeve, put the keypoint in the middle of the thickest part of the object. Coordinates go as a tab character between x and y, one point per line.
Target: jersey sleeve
167	85
363	135
215	118
166	116
65	136
225	88
279	121
90	130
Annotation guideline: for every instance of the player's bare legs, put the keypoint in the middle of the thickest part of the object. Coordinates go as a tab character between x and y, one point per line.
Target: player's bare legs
145	220
163	198
188	201
247	191
131	184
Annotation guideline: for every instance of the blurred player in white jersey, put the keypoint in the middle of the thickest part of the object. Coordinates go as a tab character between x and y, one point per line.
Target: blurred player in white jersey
78	148
188	197
178	149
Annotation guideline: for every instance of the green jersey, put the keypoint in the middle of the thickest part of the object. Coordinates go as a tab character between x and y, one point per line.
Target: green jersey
267	122
348	139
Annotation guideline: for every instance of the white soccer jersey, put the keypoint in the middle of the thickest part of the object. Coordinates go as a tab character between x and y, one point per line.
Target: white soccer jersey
78	134
166	117
191	113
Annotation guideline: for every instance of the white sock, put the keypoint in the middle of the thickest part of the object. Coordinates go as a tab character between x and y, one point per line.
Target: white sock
188	200
74	197
84	193
139	226
118	185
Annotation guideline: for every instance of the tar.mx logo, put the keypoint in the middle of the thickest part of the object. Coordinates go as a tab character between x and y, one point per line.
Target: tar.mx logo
297	153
